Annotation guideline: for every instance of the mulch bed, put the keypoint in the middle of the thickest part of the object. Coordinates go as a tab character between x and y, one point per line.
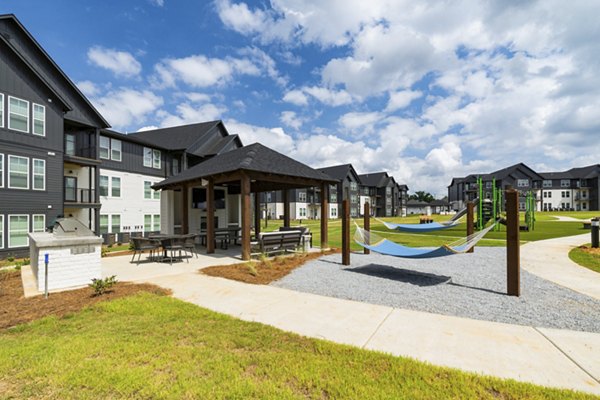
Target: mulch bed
264	271
590	250
16	309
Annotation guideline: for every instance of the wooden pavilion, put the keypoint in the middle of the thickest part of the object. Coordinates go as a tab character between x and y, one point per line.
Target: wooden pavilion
250	169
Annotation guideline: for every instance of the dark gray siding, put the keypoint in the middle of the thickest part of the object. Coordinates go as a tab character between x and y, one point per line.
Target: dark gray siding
132	160
82	111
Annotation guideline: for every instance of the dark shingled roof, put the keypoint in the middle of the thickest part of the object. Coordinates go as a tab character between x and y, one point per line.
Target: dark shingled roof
254	157
590	171
340	172
178	137
375	179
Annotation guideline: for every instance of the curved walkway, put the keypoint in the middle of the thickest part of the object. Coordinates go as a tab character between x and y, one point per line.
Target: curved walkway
549	259
548	357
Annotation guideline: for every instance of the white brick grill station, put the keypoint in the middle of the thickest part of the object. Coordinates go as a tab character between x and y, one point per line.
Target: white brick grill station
74	254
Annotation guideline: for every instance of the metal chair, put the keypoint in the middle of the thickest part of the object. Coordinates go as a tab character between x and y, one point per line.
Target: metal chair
142	244
189	244
173	244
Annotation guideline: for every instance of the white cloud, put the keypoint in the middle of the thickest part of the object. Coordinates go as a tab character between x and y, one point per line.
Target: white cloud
88	88
296	97
240	18
275	138
328	96
124	107
291	119
190	114
361	123
158	3
121	63
402	99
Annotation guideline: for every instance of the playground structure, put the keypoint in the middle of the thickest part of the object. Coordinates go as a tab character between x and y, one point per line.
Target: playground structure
384	246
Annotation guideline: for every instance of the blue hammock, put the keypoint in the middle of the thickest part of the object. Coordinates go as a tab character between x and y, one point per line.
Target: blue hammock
433	226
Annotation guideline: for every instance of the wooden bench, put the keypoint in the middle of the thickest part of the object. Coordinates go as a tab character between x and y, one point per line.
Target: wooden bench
276	242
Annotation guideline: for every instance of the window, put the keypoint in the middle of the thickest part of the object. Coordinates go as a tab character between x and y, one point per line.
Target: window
39	120
115	223
18	172
39	223
522	182
70	188
104	147
567	194
488	185
583	194
69	144
18	115
1	122
353	198
1	231
156	225
333	197
521	206
302	197
565	183
18	227
39	174
268	197
115	149
115	189
583	205
302	212
388	190
147	190
147	222
547	183
103	223
549	194
545	194
103	185
156	194
175	166
152	158
334	212
1	170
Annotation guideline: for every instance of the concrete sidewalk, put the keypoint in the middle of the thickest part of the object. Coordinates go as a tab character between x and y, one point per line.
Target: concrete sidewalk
547	357
549	259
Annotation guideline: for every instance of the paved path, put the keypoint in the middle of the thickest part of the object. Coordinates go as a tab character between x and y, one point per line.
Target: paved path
562	218
548	357
549	259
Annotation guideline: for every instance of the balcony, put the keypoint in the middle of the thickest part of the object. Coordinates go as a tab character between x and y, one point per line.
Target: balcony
76	196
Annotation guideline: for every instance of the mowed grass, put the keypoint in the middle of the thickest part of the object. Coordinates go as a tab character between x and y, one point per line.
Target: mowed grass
587	259
149	346
546	227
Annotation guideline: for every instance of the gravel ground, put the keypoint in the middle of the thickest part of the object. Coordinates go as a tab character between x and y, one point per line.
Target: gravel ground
464	285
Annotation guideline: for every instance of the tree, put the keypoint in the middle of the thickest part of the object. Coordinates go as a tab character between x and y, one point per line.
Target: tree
421	196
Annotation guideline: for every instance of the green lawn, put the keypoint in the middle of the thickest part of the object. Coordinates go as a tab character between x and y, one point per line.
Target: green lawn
591	261
545	228
149	346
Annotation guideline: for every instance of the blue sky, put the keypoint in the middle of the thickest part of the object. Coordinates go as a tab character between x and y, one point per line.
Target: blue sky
424	90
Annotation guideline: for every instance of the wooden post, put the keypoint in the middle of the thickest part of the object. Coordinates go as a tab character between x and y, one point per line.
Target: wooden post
513	262
246	217
286	208
367	223
210	217
345	232
256	215
324	215
470	222
185	205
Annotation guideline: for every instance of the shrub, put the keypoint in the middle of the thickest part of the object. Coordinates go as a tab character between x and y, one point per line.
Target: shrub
252	270
26	261
18	265
103	252
102	286
10	259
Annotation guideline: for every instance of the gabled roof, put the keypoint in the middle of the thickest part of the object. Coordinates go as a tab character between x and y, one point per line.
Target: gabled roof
182	137
375	179
255	157
57	70
509	171
340	172
590	171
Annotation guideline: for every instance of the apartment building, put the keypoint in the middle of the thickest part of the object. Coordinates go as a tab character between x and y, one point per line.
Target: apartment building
382	192
575	189
58	156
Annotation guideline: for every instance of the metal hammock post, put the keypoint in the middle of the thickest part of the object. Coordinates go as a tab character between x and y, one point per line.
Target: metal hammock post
345	232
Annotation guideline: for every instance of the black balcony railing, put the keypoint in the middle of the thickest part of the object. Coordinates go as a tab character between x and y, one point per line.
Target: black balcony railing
78	195
85	152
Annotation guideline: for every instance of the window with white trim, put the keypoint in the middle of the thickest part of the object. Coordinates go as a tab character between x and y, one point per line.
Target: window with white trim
115	223
565	183
152	158
147	190
18	228
1	117
147	222
522	182
1	231
104	147
39	223
547	183
1	170
156	224
103	185
39	174
156	194
115	149
18	172
302	197
18	114
39	120
103	223
334	212
115	186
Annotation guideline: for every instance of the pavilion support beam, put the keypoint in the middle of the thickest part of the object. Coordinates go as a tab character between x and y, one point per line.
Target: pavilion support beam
246	216
513	261
185	210
324	215
286	208
367	224
256	215
470	222
210	217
